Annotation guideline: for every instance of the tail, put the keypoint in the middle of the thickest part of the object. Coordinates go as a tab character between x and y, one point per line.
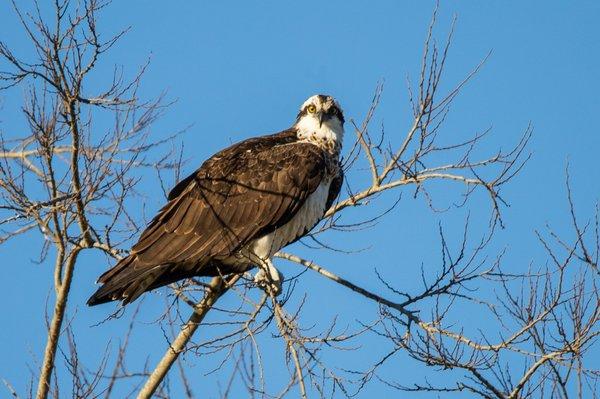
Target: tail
127	280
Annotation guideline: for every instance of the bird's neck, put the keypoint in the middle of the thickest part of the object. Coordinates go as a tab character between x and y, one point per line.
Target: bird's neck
328	136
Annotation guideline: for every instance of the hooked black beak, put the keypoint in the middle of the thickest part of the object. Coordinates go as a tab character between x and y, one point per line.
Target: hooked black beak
321	117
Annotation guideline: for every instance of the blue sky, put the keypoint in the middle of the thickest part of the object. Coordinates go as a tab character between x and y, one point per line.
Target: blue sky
239	69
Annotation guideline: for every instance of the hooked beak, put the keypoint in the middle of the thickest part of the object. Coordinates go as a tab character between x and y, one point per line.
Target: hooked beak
321	117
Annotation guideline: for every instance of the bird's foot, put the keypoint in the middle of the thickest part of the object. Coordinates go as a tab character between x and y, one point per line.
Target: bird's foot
269	279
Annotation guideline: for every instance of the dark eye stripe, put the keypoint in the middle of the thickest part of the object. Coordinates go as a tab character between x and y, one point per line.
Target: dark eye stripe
334	110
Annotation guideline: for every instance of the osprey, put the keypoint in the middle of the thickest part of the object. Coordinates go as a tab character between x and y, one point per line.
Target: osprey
240	207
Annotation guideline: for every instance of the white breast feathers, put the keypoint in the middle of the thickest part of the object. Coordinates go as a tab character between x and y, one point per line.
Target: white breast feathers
307	216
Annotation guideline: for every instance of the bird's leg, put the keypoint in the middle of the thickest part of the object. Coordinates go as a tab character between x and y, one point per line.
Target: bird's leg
268	277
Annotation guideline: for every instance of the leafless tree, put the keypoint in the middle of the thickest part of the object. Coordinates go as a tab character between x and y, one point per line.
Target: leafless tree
547	317
71	179
70	176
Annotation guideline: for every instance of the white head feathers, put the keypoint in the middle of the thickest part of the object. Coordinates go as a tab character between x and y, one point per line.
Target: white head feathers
321	122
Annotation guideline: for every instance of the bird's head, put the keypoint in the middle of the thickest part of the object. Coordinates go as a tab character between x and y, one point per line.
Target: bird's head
321	117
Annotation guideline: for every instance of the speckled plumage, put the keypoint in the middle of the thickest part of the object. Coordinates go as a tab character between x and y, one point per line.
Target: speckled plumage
247	201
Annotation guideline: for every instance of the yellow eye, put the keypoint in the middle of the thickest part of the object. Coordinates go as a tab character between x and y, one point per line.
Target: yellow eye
311	109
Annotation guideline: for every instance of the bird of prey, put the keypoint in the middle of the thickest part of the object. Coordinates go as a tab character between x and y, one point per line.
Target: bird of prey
239	208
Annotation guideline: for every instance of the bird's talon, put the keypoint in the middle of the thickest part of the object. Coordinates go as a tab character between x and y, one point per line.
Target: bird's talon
269	283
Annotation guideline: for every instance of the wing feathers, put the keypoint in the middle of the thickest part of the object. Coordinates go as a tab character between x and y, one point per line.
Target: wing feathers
179	214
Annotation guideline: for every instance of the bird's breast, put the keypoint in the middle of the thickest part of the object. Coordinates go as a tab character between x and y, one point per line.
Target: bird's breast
306	218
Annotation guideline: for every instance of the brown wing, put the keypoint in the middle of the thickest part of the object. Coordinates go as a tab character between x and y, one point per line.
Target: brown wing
241	193
335	188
